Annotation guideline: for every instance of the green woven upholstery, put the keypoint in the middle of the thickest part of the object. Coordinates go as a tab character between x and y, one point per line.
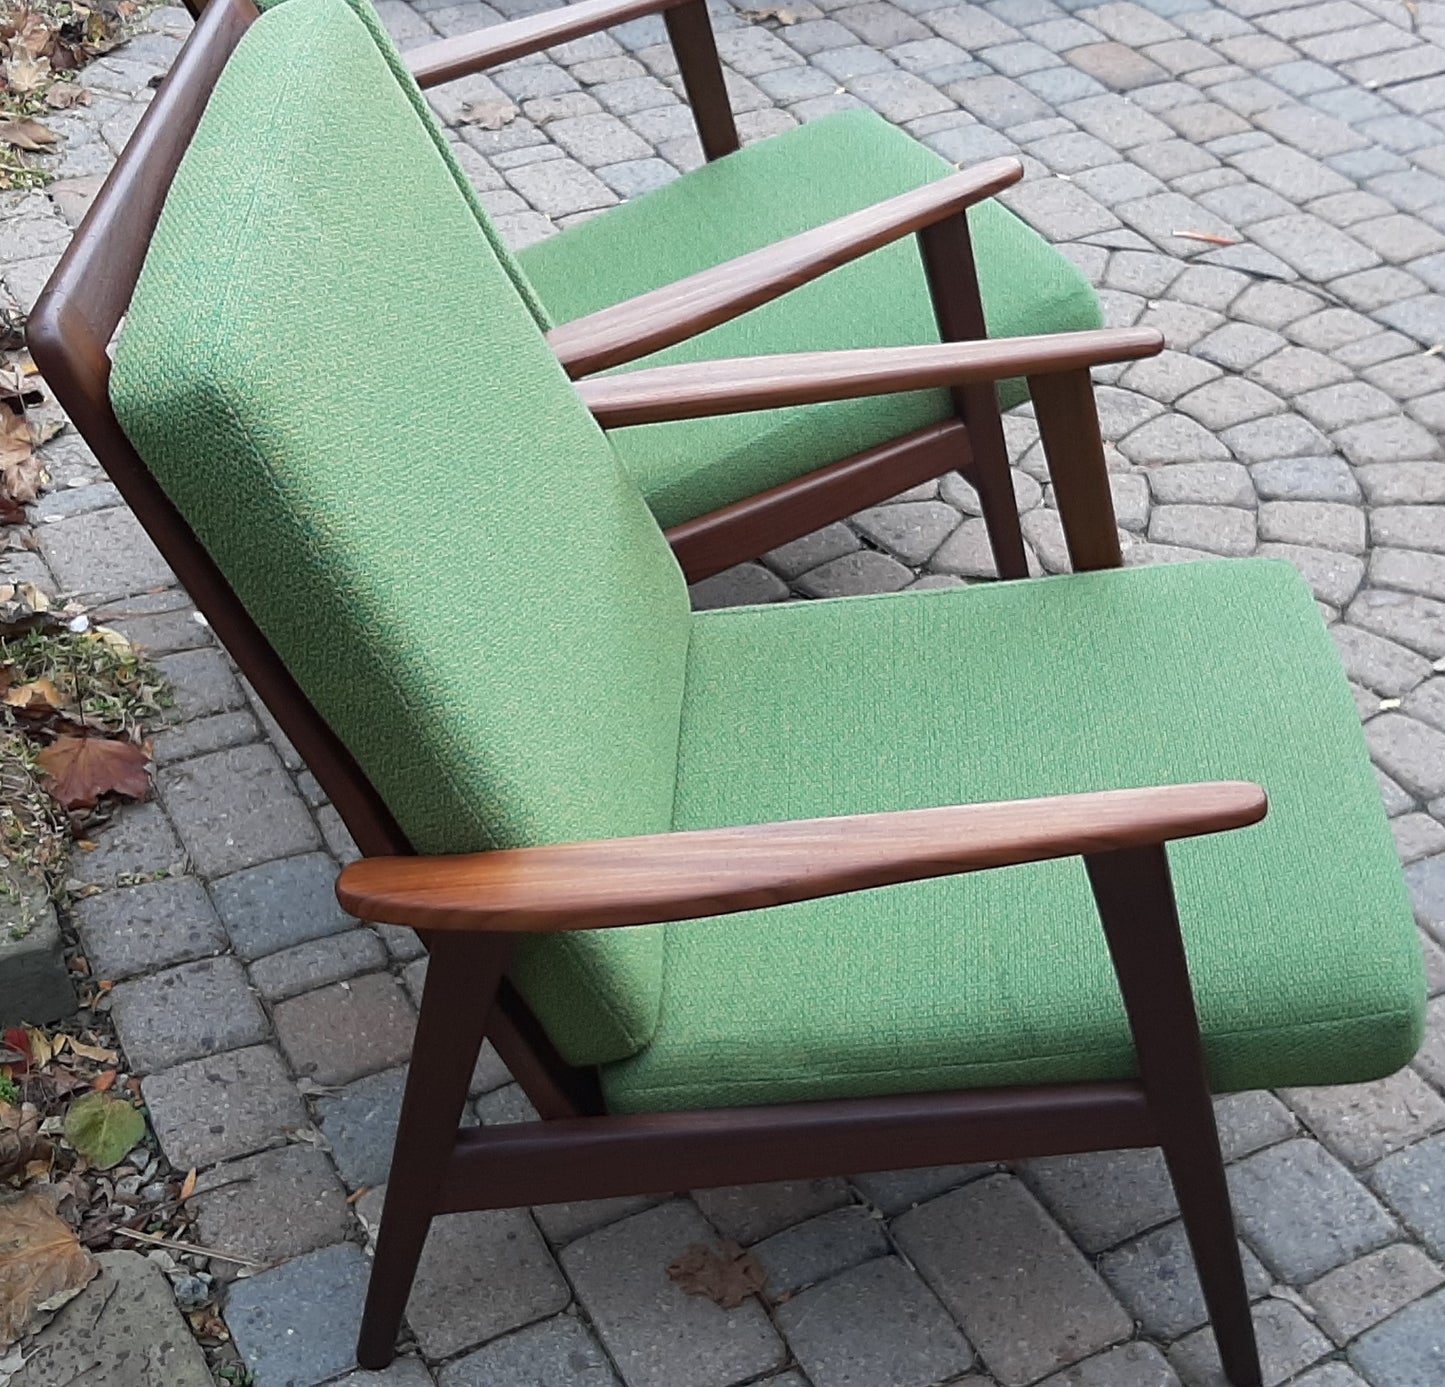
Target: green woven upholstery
784	185
334	379
1302	946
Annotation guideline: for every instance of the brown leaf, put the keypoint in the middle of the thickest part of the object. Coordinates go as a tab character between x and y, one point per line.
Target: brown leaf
22	474
63	95
82	769
1207	236
25	74
188	1185
39	697
490	115
41	1261
727	1276
27	134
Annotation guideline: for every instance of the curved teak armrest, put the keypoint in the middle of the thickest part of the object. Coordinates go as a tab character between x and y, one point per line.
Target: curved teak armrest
736	385
682	876
683	309
433	63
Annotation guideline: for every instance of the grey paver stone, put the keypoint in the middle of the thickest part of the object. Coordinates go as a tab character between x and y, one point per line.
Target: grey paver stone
236	808
1025	1297
655	1334
202	682
140	928
1279	435
747	1213
1322	524
1104	1197
1129	1365
1169	375
1380	665
103	554
1310	245
1355	1297
1333	577
195	1009
1172	438
296	1324
1408	1349
862	572
797	557
744	585
876	1324
1296	369
316	963
1417	622
271	1207
910	531
1249	1122
359	1122
1287	1341
403	1372
342	1032
559	1352
224	1105
481	1274
123	1330
893	1191
137	842
1417	836
1361	1123
1224	530
1410	751
820	1247
1303	1213
1409	527
1387	440
561	1223
277	904
1413	1181
1057	209
205	735
1154	1275
1202	483
1305	479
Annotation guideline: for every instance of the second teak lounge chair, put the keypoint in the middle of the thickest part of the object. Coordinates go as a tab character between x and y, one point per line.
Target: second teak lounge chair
755	894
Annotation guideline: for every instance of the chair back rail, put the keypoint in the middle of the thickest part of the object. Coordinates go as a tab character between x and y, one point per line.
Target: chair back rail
68	333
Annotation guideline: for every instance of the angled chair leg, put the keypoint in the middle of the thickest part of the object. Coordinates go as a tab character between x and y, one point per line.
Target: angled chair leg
461	983
948	262
1136	904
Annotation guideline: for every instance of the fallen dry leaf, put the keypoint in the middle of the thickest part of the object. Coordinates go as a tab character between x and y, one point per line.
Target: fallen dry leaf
63	95
41	1262
1207	236
727	1276
22	474
27	134
82	769
490	115
98	1053
20	1140
25	74
188	1185
39	697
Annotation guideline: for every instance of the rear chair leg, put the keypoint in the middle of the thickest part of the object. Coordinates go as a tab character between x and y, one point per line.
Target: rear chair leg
461	983
1136	904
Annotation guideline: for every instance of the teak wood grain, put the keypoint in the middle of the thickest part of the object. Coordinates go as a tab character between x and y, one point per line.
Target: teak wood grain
434	63
680	876
736	385
680	310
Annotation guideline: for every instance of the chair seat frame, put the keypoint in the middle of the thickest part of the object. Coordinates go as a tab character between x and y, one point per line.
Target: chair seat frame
577	1150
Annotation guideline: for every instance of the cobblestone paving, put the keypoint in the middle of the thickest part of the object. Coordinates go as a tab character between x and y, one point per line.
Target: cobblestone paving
1297	413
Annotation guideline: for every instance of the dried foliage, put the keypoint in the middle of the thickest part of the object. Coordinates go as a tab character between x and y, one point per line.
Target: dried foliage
726	1275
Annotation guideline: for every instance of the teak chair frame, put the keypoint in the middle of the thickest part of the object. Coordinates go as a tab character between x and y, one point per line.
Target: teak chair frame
468	908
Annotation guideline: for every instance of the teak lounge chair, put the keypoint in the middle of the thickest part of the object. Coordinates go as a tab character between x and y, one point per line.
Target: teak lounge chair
730	487
334	412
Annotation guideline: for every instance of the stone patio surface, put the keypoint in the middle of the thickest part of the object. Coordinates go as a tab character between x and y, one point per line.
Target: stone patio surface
1297	413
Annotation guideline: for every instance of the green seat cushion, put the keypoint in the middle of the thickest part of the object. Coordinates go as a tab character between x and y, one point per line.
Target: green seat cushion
1304	954
779	187
334	378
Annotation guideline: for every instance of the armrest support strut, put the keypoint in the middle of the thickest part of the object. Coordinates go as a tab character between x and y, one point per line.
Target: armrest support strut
681	876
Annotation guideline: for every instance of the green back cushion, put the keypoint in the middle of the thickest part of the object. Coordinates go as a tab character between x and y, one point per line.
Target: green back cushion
337	383
776	188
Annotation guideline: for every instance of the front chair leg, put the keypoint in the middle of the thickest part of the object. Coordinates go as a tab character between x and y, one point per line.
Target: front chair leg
461	983
1136	905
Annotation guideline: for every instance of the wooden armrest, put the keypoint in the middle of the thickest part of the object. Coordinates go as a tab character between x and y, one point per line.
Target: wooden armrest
434	63
737	385
681	876
681	310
